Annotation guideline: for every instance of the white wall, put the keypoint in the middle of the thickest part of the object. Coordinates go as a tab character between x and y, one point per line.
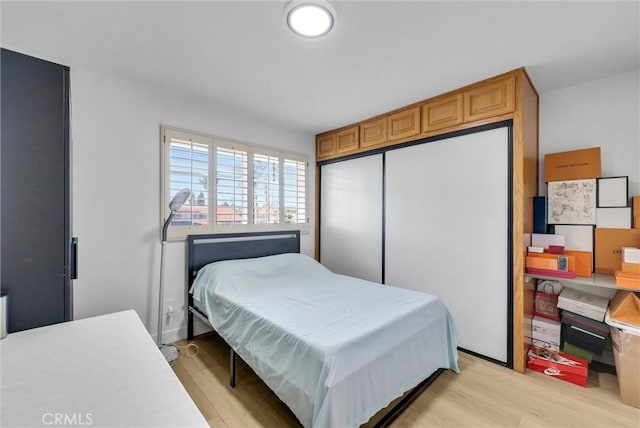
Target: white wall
116	189
601	113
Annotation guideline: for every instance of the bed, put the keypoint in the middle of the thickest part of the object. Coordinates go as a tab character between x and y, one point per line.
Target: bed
104	371
335	349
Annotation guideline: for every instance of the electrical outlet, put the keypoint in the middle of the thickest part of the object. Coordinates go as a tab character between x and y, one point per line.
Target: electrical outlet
169	308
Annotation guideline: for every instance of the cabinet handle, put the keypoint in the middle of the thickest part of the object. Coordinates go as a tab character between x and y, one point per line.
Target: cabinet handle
74	258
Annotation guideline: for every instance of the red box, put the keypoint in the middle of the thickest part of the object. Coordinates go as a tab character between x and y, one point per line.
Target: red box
559	365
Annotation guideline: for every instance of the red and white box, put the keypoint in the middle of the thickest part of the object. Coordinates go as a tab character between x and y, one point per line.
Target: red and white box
558	365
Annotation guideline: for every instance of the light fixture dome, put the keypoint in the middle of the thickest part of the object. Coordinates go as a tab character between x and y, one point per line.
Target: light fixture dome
310	18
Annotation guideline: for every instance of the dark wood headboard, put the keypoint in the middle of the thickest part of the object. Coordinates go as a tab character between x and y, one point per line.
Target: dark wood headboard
205	249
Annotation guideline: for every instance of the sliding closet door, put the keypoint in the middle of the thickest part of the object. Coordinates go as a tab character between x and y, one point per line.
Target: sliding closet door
447	231
351	217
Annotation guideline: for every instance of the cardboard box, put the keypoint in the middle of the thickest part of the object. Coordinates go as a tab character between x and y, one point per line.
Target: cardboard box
551	273
539	214
625	308
558	365
545	333
630	267
583	262
545	239
626	353
612	218
635	203
613	192
630	255
584	332
576	237
573	165
549	261
628	280
609	243
636	222
577	351
585	304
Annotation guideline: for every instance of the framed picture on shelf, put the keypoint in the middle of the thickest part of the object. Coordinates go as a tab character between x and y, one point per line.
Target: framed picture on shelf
572	202
613	192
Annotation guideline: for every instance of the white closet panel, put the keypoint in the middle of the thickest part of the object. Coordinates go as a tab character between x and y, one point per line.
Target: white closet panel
447	231
351	217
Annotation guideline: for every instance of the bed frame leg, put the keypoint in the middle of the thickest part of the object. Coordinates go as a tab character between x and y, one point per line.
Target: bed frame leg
190	326
232	371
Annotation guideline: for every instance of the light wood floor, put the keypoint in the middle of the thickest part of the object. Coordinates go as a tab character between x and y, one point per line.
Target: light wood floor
482	395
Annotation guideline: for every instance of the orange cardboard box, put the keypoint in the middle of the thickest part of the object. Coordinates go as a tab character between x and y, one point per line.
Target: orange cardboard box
554	259
584	262
631	280
573	165
609	243
630	268
636	222
625	307
636	212
542	262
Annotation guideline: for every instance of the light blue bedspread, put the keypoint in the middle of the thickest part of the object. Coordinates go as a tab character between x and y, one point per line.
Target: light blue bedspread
335	349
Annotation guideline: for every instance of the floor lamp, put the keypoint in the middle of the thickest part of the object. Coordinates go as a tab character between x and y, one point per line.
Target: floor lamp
170	352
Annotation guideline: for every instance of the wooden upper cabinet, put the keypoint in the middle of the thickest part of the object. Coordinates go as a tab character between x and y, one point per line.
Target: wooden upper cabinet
473	104
490	99
373	132
325	145
348	140
403	124
442	112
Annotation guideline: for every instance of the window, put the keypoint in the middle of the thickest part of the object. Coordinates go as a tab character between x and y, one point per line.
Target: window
235	186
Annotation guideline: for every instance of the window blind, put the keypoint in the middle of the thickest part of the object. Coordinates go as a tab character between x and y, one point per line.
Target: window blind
189	168
232	202
295	191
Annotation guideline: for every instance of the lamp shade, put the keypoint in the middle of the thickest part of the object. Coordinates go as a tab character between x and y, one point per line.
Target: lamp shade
179	199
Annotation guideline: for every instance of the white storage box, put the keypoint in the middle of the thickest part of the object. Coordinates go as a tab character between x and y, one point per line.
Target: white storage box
545	239
584	304
546	333
630	255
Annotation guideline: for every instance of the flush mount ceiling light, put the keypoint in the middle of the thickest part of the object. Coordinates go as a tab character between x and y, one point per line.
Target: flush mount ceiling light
310	18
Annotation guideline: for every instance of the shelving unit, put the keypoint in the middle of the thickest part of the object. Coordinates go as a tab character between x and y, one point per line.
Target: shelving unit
600	280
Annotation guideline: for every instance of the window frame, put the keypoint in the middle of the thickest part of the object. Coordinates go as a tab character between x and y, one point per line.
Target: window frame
178	232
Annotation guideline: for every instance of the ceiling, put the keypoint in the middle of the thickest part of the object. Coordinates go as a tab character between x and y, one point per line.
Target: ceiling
381	55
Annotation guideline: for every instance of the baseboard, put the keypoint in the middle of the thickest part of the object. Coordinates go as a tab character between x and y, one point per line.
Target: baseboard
179	333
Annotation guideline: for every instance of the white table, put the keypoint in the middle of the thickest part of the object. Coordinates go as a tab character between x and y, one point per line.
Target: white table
102	371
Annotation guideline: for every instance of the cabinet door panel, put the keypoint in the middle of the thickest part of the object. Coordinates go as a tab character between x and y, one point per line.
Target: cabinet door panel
35	191
325	145
404	124
442	113
348	140
489	100
351	217
373	133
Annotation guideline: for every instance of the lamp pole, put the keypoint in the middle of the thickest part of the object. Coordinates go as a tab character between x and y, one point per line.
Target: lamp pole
170	352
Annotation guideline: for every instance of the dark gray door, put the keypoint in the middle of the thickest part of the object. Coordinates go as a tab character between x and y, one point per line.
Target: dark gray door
35	191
